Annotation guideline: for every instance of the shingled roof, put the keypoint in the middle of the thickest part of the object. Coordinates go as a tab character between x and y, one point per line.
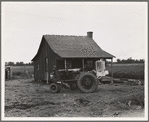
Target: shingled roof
76	47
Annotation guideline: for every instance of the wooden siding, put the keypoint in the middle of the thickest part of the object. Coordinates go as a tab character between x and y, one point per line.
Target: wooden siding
44	52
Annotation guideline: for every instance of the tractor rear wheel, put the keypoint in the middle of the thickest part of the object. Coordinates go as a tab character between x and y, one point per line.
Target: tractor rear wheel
87	82
55	87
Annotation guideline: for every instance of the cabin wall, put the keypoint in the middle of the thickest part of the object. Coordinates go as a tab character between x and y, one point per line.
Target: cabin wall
38	65
44	52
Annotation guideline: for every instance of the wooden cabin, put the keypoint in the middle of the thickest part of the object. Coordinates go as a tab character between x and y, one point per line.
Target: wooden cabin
66	51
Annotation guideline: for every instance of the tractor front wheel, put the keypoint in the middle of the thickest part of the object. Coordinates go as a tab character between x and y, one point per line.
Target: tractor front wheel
87	82
55	87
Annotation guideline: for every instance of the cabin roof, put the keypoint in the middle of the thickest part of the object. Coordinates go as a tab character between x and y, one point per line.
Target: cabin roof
75	47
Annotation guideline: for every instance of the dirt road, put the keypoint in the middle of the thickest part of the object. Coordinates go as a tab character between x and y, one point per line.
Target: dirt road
27	98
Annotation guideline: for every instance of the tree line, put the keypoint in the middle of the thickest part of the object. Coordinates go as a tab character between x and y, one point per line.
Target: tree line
19	63
119	61
129	60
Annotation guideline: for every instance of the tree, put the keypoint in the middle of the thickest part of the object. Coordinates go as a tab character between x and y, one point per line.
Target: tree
19	63
141	60
118	60
10	63
130	60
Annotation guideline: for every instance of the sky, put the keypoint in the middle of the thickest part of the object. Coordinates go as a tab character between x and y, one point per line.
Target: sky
119	28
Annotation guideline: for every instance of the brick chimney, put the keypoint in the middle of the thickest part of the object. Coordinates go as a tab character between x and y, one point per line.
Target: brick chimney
90	34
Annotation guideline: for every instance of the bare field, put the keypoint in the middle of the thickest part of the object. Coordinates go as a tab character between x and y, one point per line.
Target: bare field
27	98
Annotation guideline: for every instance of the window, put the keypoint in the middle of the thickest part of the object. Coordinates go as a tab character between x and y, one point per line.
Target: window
69	64
89	64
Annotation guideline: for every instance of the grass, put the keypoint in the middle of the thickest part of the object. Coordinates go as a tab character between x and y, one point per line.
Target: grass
132	71
127	67
22	71
22	68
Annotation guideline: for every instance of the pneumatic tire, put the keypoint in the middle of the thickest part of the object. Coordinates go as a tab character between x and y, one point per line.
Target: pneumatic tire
87	82
55	88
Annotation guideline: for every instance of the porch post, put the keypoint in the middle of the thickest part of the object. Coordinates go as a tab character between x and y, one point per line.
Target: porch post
83	63
65	64
112	69
47	77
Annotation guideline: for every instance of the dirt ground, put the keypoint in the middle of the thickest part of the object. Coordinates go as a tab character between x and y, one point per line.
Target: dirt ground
27	98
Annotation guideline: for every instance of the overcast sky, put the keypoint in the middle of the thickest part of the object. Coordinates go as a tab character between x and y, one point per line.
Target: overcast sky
118	28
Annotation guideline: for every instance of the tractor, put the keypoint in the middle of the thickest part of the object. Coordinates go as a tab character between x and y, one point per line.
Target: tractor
85	81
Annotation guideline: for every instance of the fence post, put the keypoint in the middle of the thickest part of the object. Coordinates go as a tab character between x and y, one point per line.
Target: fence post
47	77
